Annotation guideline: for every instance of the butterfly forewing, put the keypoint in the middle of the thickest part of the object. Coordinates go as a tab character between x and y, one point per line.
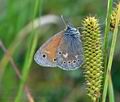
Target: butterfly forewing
46	54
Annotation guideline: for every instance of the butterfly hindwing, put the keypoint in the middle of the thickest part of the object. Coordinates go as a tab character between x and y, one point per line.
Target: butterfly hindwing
46	54
70	53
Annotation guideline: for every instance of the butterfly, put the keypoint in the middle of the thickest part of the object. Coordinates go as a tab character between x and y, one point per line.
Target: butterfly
63	50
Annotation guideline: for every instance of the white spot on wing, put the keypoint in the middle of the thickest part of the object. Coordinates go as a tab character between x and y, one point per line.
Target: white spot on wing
65	55
76	56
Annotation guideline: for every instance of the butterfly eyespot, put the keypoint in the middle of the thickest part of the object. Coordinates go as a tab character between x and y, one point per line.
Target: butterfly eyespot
74	61
64	62
69	62
54	59
43	55
60	53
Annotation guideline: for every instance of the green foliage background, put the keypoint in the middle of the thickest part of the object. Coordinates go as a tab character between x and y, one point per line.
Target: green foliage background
47	84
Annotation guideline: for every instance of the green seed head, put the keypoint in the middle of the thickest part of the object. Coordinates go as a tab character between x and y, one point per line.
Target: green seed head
113	17
93	69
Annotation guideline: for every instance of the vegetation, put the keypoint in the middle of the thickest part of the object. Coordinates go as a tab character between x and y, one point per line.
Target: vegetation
26	24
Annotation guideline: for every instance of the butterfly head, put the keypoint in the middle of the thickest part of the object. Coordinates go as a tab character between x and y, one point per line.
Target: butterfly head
70	30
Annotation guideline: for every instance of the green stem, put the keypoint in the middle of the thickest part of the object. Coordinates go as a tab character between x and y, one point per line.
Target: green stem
111	91
26	68
109	10
107	27
111	56
29	56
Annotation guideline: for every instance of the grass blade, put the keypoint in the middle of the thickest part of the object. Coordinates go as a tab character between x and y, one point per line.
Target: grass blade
107	27
111	91
29	56
111	55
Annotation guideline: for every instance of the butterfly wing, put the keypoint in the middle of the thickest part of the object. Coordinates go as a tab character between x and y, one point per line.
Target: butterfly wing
70	53
46	54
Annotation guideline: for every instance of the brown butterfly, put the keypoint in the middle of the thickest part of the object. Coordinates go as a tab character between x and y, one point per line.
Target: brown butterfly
64	50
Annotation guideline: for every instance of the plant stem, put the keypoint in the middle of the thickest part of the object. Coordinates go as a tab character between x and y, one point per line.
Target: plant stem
26	69
111	91
111	56
28	94
29	56
107	27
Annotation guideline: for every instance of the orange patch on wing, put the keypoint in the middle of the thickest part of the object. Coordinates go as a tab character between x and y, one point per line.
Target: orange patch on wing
52	46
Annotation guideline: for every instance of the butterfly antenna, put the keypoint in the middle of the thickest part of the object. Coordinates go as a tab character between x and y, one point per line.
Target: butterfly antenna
63	20
66	21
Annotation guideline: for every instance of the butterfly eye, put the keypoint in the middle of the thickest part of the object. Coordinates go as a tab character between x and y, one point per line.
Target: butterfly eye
44	56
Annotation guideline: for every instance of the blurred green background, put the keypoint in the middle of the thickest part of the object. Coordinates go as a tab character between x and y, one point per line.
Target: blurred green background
46	84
